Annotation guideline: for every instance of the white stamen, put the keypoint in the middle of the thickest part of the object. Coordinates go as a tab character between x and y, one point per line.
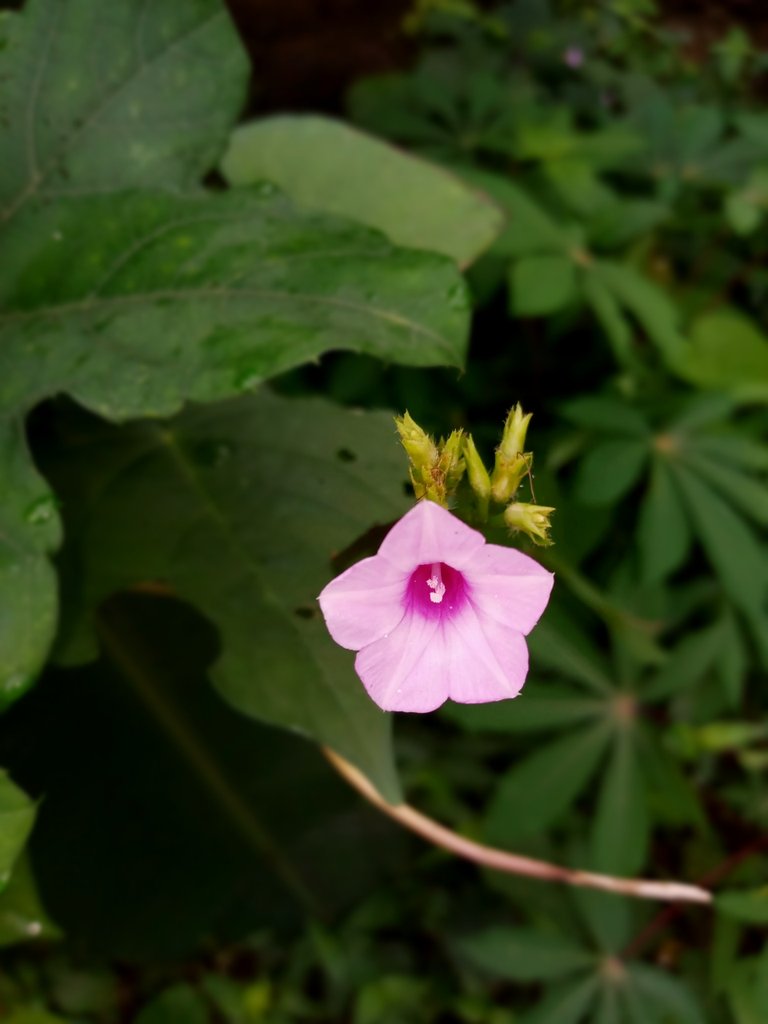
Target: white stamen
436	585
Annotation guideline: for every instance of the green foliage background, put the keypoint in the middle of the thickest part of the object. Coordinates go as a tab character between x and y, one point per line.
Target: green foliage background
205	327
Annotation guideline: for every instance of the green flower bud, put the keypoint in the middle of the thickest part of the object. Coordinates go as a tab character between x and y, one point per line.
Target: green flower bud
478	477
436	469
532	520
451	462
512	461
421	451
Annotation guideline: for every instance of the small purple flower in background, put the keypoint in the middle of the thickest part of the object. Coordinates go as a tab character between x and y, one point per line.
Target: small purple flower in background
573	57
438	613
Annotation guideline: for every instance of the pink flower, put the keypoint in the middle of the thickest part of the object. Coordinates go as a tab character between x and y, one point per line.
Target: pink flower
437	613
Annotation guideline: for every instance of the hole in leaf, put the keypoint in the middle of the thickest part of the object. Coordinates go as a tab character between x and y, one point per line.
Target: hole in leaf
345	455
305	612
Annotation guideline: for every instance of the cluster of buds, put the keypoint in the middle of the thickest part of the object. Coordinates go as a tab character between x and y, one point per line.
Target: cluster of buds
437	468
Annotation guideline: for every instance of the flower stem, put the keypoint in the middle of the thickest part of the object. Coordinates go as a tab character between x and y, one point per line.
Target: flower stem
512	863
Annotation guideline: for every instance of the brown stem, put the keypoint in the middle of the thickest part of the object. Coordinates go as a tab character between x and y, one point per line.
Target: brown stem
512	863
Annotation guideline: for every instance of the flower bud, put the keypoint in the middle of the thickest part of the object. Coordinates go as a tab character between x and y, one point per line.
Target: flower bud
421	451
435	469
532	520
512	461
451	461
478	477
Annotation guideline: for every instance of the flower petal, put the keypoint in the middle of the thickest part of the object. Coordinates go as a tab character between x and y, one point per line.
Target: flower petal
406	671
507	587
364	603
485	661
429	533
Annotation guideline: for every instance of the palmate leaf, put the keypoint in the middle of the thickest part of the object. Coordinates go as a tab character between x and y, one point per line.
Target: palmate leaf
250	501
524	954
533	794
135	300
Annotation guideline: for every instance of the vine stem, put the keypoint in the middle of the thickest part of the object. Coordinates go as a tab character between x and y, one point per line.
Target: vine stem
512	863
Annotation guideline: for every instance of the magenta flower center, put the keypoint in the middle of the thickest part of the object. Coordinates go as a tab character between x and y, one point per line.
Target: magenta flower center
436	590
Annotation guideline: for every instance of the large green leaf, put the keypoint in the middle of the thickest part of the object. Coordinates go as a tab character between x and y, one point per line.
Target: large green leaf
99	96
199	825
250	500
134	300
327	165
145	299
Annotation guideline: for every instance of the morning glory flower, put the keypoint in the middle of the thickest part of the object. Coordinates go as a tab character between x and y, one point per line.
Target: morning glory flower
437	613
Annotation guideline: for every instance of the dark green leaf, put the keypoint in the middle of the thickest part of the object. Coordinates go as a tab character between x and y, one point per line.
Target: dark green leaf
326	165
728	352
647	303
198	825
664	534
749	495
568	1004
541	706
533	794
609	470
522	954
251	500
733	549
177	1005
531	230
606	414
148	299
557	648
730	449
669	996
135	301
749	905
102	123
620	831
610	316
29	529
687	664
541	285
